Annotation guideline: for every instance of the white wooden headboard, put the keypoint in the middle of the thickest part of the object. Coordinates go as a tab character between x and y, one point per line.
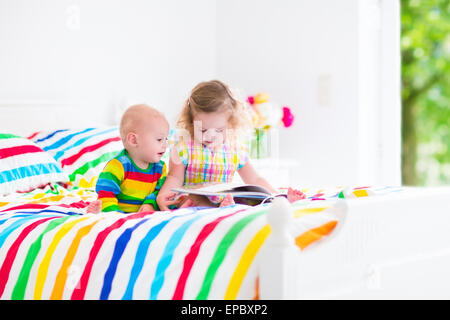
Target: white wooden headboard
27	116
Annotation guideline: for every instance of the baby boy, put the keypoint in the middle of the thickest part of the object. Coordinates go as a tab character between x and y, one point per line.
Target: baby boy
131	181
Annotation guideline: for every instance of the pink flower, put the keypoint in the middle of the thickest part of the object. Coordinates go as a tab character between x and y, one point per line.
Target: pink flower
288	117
251	100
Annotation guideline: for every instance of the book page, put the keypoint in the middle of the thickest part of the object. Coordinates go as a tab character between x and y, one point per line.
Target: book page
220	188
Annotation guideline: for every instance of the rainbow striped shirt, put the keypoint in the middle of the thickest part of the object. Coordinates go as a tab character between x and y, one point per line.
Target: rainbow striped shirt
204	165
123	186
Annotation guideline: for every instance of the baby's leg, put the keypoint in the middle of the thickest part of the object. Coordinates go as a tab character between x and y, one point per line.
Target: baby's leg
295	195
94	207
194	200
186	202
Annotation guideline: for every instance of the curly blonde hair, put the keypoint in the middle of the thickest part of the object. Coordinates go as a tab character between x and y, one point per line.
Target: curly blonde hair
214	96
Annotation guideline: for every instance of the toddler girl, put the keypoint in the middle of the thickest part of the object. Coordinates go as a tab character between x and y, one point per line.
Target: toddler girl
208	150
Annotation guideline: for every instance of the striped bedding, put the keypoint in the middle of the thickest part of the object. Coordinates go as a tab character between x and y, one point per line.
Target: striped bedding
82	153
51	249
25	166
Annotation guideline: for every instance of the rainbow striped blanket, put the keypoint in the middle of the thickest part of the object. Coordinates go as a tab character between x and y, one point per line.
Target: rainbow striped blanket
51	249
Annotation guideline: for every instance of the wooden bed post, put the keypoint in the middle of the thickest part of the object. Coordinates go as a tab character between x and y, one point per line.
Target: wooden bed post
279	256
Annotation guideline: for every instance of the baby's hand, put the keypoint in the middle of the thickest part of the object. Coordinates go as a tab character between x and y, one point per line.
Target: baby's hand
295	195
146	208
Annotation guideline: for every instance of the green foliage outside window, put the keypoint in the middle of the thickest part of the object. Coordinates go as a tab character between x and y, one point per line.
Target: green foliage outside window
425	46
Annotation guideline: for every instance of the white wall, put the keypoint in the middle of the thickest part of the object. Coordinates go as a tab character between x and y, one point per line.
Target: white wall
309	54
338	68
105	52
304	54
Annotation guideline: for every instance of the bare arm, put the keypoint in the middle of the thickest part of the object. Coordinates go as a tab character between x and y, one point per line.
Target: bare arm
174	179
250	176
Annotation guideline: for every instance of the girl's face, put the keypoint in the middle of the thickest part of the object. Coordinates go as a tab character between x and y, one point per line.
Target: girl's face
210	128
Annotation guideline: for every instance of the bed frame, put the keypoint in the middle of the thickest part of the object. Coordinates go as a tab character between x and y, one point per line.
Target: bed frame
23	117
393	246
386	247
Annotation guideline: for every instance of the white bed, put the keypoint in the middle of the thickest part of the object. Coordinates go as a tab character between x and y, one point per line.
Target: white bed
390	246
395	246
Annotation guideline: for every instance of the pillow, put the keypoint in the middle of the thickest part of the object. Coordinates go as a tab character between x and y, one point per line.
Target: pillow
25	166
81	153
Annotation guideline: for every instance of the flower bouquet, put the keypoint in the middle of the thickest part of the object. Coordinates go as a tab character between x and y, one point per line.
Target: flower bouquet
265	116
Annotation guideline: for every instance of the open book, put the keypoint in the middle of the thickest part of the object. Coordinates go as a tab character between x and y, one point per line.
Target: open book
242	193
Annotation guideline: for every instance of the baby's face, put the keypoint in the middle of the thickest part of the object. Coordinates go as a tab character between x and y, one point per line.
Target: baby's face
210	128
152	140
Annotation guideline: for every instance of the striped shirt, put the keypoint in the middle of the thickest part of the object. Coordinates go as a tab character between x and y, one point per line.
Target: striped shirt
204	165
123	186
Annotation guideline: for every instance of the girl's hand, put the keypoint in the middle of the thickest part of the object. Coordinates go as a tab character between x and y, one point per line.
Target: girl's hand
175	179
165	200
